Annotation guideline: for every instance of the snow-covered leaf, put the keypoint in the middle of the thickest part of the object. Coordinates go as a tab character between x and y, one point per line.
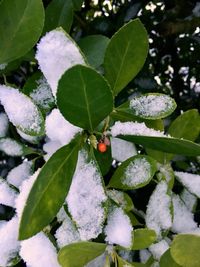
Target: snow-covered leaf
12	148
21	111
121	198
3	124
56	53
7	194
158	249
134	173
189	199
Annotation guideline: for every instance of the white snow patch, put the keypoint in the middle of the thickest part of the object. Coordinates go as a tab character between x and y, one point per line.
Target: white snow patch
20	173
134	128
59	129
158	215
122	150
137	172
86	198
21	111
3	66
190	181
97	262
38	251
25	189
11	147
61	215
144	255
7	194
3	124
189	199
183	220
159	249
9	245
151	105
50	147
67	233
56	53
119	229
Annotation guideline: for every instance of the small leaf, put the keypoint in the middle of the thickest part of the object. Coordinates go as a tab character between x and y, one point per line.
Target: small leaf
166	260
143	238
53	180
94	47
59	13
126	54
133	173
122	262
122	199
84	97
17	17
152	106
79	254
185	250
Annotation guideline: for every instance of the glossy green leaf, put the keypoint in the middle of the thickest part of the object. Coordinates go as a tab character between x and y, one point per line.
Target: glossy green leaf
21	24
121	198
104	160
143	238
152	106
77	4
186	126
165	144
185	250
94	47
84	97
126	54
166	260
53	180
133	173
79	254
59	13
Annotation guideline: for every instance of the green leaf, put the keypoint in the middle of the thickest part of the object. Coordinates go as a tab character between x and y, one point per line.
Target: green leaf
107	262
21	24
94	47
84	97
121	198
185	250
79	254
143	238
104	160
122	262
77	4
59	13
126	54
133	173
186	126
53	180
152	106
170	145
167	260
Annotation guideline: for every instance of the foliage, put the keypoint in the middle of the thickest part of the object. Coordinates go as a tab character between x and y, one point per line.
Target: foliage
111	178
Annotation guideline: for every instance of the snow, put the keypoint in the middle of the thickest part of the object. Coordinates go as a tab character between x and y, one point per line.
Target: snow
119	229
159	249
3	124
183	220
134	128
86	198
189	199
61	215
9	245
42	95
3	66
122	150
29	138
21	111
151	105
67	233
50	147
56	53
144	255
137	172
20	173
25	189
38	251
7	194
190	181
97	262
158	215
59	129
11	147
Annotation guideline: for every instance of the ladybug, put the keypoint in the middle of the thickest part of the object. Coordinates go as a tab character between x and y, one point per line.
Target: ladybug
102	147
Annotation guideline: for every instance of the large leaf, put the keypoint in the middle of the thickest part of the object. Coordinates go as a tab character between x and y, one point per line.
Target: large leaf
185	250
133	173
78	254
165	144
59	13
94	47
126	54
21	23
84	97
143	238
167	260
49	190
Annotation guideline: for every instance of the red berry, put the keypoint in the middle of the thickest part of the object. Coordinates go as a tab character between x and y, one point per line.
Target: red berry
102	147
